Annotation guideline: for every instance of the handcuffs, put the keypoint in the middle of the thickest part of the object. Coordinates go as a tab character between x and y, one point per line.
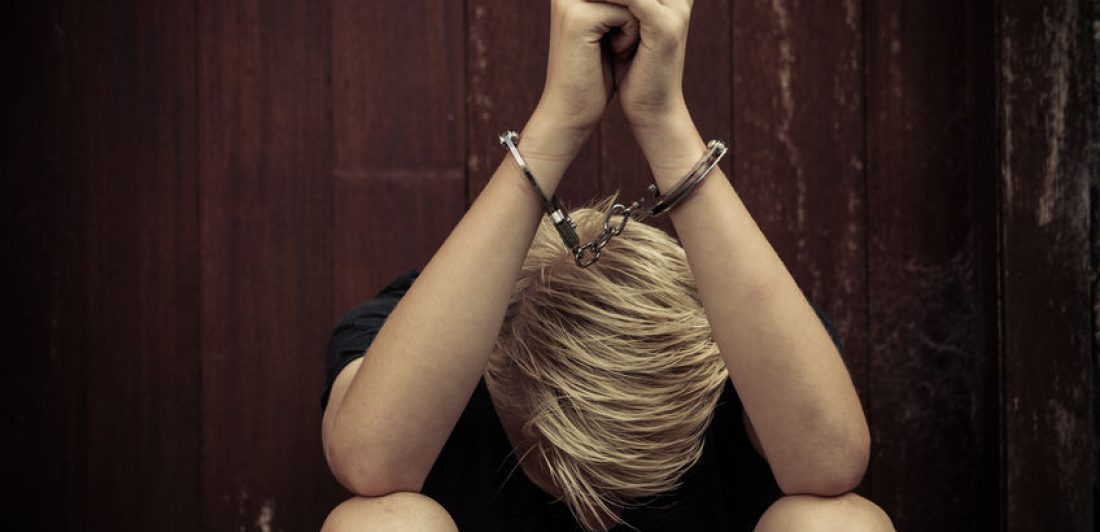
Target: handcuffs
587	254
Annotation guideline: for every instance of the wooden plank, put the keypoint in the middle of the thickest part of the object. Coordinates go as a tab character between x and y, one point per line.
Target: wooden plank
798	141
707	91
112	269
138	151
932	263
135	422
266	260
399	119
507	44
1047	348
40	274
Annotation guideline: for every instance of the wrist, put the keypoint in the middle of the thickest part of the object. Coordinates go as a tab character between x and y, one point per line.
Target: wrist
548	148
671	146
654	115
546	138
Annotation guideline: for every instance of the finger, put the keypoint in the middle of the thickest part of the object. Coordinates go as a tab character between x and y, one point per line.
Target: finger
627	37
600	18
646	11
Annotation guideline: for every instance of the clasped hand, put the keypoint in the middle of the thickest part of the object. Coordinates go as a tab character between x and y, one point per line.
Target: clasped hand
636	47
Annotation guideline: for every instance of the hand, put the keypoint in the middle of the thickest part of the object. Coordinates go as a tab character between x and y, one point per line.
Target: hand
578	74
651	90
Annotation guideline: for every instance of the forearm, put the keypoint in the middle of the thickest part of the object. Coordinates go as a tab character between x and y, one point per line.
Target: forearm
786	369
425	362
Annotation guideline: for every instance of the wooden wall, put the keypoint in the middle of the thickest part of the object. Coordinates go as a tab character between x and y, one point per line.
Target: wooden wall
192	192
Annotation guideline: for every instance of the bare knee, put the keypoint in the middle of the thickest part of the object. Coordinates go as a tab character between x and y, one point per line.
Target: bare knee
849	512
401	511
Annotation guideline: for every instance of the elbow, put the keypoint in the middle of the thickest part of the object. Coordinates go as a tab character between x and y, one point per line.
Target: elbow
823	482
832	473
364	472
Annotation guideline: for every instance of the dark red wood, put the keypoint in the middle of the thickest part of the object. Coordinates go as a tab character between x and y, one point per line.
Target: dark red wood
136	158
41	275
1046	97
932	263
133	159
266	221
107	242
399	118
506	51
798	145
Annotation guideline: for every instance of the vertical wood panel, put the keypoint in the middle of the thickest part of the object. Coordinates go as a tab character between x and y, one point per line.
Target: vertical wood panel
1050	462
707	91
137	157
106	239
799	148
266	258
506	70
99	214
931	261
40	273
132	410
399	121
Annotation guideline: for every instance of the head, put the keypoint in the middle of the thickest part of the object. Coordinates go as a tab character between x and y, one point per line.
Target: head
612	367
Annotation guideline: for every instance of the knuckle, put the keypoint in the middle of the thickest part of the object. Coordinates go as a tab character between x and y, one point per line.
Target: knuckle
670	28
573	14
678	22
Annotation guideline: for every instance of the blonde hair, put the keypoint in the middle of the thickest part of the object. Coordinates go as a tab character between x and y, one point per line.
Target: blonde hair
612	366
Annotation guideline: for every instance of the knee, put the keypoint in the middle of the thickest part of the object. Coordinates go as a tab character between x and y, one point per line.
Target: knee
402	511
849	512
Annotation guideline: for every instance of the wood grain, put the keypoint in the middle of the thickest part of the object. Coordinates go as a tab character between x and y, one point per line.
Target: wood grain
265	161
41	274
1048	353
105	243
932	264
399	138
133	413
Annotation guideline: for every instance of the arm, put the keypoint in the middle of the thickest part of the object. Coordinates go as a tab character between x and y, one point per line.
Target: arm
798	397
391	411
797	394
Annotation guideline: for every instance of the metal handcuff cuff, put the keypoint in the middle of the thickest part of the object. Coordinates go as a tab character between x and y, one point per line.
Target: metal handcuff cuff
587	254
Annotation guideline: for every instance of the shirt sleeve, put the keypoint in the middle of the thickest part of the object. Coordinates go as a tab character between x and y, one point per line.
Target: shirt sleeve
356	330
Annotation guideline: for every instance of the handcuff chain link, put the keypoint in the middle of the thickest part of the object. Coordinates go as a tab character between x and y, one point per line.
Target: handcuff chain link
589	253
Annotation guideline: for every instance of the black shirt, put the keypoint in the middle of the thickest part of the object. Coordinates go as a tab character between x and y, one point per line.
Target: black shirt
477	480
